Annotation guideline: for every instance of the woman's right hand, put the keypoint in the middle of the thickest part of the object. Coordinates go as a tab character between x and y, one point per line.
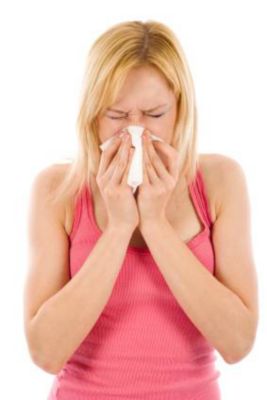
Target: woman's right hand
112	178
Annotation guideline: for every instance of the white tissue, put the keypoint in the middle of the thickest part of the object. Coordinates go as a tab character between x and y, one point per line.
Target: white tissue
135	176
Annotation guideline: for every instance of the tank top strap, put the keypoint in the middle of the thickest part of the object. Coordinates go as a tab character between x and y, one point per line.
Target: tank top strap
80	206
199	196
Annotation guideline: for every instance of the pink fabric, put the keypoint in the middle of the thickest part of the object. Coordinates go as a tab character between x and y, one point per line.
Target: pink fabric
143	346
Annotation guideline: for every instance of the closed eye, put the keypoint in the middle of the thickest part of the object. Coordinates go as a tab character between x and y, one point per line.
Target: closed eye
156	116
153	116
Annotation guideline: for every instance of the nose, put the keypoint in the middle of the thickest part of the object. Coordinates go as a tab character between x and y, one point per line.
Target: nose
134	119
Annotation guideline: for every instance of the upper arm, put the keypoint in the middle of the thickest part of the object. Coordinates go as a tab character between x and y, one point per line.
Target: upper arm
48	244
231	234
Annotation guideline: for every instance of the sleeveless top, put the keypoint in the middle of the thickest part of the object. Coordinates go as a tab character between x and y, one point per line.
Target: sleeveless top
143	345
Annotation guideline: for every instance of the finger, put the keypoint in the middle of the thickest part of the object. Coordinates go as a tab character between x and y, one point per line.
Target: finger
147	134
145	176
126	172
118	165
151	173
171	155
108	154
165	148
156	162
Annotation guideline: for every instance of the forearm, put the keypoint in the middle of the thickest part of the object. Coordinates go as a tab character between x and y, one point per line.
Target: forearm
64	320
218	313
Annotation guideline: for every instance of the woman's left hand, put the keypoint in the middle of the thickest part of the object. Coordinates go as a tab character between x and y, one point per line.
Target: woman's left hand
159	180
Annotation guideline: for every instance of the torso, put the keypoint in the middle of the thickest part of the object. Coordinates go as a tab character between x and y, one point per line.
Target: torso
181	212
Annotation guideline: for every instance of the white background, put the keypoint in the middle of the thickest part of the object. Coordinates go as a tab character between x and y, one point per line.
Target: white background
43	52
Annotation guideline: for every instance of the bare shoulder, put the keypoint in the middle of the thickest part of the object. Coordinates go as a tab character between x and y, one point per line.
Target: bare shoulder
51	174
219	173
45	183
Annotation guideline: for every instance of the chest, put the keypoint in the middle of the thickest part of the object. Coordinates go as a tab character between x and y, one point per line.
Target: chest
181	213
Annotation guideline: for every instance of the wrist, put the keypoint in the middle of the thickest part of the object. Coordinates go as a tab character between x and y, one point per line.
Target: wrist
150	224
120	229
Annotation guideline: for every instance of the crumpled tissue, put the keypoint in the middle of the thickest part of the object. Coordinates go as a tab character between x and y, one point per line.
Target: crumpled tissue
135	175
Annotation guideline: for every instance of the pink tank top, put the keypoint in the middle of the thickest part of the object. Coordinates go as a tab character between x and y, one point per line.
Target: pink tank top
143	346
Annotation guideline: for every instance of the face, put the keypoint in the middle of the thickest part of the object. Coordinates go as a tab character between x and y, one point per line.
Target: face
145	99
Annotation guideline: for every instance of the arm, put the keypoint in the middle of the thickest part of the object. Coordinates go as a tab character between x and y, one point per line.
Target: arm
223	307
54	304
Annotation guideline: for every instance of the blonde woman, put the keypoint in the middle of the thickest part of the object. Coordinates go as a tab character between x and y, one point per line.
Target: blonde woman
129	295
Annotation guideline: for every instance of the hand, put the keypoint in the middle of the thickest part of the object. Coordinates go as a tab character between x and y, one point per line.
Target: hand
111	179
159	179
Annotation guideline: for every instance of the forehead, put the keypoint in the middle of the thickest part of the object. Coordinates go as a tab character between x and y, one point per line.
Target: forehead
143	87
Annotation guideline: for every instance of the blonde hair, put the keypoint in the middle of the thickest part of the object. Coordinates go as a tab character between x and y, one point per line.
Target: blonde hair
122	47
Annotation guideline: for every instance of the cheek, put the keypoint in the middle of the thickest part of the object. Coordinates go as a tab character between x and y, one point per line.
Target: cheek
108	128
161	128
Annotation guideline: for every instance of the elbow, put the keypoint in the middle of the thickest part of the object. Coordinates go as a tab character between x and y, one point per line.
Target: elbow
239	353
43	362
38	353
44	365
243	345
235	358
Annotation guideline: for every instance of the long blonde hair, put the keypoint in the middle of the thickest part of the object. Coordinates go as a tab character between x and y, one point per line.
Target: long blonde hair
122	47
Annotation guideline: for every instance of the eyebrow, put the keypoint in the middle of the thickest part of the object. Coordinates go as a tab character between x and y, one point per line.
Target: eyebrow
125	112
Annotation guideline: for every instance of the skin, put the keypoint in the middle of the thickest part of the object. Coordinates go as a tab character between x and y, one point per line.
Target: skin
231	306
228	314
144	89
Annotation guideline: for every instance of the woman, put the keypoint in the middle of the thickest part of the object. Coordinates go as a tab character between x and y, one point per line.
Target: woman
132	294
